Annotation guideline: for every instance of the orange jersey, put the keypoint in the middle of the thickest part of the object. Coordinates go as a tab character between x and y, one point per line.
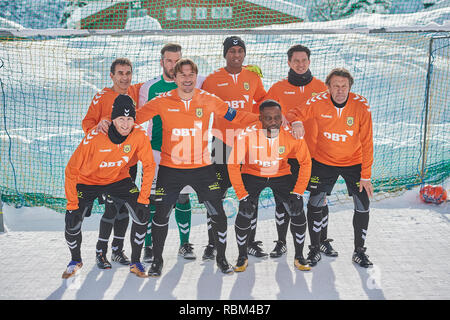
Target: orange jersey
98	161
267	157
240	91
101	105
187	125
345	135
290	96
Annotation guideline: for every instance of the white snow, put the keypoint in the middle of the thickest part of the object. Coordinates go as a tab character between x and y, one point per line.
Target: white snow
143	23
407	242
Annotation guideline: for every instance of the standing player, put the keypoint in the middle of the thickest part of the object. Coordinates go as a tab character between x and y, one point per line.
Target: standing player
344	148
240	88
187	115
99	166
170	54
121	72
299	86
263	149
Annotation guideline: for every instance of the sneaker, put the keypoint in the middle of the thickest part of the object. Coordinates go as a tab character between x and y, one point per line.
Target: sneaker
138	269
361	258
301	264
313	255
209	253
279	250
72	268
155	268
224	266
102	262
241	264
254	249
327	249
120	257
148	254
186	251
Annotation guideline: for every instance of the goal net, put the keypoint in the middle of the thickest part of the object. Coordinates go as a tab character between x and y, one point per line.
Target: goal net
48	78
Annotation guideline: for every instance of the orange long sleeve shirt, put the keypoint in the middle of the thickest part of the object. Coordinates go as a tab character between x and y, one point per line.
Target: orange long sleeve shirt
345	135
101	105
240	91
267	157
290	96
98	161
187	125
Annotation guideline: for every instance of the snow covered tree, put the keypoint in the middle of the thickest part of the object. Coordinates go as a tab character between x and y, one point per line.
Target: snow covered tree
326	10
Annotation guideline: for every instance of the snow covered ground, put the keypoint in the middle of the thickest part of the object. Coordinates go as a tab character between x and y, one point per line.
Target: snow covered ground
408	241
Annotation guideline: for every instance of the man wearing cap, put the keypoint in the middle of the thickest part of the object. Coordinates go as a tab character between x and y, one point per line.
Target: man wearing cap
121	73
100	166
241	89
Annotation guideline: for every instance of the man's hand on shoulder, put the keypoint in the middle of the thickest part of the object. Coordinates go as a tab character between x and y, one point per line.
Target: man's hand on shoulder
103	126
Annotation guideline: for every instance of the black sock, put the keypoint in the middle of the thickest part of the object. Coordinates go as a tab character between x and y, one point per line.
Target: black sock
360	224
324	230
253	223
120	228
314	215
298	230
242	230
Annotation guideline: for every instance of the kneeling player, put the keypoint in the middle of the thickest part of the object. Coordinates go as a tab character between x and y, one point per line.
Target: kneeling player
264	149
99	166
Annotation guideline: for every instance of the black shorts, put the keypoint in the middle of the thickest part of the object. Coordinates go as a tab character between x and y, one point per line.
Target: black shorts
281	186
219	156
172	180
125	190
324	177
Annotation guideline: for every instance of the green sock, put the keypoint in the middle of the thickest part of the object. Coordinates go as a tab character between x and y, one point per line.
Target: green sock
183	218
148	236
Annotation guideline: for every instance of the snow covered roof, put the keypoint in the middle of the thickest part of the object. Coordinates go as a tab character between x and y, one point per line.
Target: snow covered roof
88	10
7	24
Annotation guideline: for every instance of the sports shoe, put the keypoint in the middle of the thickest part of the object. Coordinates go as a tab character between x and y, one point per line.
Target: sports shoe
102	262
224	266
361	258
254	249
301	264
186	251
138	269
279	250
327	249
209	253
120	257
148	254
241	264
313	255
155	268
72	268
